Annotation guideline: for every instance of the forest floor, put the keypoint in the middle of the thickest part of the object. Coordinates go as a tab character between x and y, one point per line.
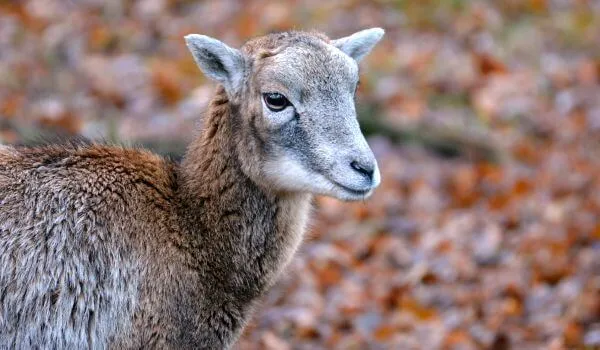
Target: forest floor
485	120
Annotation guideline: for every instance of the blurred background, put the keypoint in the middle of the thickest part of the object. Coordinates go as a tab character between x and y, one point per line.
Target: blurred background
485	119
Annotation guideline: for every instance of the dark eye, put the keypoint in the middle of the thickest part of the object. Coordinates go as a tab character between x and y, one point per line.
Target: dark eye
276	101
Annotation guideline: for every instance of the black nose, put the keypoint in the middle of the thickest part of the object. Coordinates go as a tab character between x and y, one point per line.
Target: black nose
364	169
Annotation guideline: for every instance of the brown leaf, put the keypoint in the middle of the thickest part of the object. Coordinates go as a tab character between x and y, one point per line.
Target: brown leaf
11	105
65	122
486	64
167	81
573	335
457	339
329	274
588	73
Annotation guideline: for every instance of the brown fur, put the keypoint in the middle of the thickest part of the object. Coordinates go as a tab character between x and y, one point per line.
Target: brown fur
196	244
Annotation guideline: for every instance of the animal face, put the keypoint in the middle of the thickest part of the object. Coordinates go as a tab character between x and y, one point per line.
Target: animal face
296	91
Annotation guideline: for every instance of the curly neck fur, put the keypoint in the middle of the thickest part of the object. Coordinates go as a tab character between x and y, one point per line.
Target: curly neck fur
243	233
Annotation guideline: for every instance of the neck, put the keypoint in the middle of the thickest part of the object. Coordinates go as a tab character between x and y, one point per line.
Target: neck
240	234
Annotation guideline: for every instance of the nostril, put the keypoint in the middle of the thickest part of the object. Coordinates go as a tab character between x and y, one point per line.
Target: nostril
363	168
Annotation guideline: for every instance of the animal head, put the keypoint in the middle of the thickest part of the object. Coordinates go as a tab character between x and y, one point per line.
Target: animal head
294	95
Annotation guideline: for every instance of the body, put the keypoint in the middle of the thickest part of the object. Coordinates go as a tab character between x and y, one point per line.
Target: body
116	225
109	247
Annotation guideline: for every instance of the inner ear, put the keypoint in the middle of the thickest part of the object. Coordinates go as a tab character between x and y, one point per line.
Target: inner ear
217	60
359	44
213	63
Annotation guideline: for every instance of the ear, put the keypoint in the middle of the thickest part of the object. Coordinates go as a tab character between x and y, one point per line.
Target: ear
359	44
217	60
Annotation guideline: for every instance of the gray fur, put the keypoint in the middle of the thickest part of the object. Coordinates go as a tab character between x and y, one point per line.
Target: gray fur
359	44
107	247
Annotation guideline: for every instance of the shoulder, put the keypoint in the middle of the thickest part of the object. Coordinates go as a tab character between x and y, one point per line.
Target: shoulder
90	169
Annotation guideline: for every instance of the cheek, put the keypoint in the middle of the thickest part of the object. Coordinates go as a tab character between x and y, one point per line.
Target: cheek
298	142
293	135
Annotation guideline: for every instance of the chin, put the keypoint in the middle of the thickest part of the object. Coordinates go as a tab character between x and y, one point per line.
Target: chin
322	186
351	196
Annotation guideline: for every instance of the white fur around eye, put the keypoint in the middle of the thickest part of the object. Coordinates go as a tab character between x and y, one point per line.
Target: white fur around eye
278	118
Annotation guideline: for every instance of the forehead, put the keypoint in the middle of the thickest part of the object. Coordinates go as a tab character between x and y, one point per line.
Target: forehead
313	66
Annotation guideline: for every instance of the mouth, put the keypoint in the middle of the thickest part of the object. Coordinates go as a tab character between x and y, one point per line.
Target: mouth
355	193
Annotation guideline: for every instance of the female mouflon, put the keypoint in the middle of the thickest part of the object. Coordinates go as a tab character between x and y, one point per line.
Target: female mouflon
109	247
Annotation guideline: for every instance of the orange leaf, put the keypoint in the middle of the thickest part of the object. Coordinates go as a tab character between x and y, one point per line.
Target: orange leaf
512	307
166	78
573	335
10	106
456	338
596	232
522	186
412	306
384	332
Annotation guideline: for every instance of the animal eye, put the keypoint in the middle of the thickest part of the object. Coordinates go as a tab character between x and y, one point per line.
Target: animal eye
276	101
